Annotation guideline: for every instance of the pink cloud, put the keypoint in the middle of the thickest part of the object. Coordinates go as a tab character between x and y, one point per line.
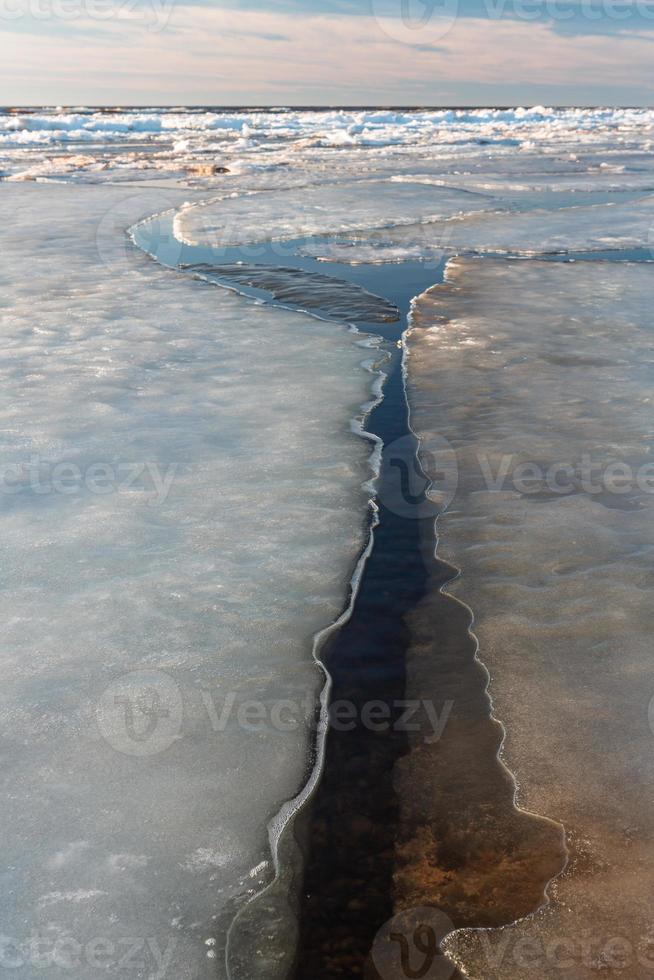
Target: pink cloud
246	56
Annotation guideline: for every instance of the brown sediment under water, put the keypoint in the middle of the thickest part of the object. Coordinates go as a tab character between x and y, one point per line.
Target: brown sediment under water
548	366
462	844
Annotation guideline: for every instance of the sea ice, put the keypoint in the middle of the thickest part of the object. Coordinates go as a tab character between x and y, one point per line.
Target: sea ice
318	210
181	507
593	228
181	496
540	375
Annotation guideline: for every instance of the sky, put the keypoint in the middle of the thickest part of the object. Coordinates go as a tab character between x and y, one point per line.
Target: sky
327	52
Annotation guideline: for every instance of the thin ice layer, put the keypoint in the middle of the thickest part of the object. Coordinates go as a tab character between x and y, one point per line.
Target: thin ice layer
180	497
541	377
607	175
592	228
318	210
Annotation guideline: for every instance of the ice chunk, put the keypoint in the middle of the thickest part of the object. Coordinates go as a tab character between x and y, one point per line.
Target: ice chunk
541	377
181	508
363	252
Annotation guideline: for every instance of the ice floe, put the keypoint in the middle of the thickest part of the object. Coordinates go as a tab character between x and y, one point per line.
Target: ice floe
182	508
541	377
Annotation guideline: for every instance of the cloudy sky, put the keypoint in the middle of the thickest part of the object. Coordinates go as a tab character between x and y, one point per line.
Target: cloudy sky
321	52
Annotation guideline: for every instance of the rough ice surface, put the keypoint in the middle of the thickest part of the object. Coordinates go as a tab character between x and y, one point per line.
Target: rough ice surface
472	149
151	134
181	497
541	377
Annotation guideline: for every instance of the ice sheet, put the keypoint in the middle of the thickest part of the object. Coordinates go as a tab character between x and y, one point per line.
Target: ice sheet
550	365
593	228
606	176
136	804
317	210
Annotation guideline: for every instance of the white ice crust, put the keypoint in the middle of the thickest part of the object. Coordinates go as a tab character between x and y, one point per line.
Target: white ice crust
318	210
596	227
207	573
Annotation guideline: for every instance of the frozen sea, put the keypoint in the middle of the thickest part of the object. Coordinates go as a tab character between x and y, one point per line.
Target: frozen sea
189	493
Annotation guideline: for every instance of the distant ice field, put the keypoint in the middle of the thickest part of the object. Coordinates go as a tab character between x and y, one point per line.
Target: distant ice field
284	145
